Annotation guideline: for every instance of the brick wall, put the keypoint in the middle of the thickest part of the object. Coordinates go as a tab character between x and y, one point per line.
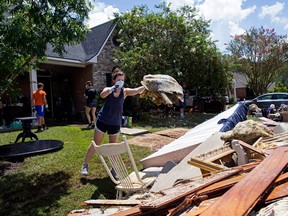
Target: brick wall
104	65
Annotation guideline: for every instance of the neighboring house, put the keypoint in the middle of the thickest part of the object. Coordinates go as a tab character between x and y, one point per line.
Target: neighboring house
64	77
242	92
241	83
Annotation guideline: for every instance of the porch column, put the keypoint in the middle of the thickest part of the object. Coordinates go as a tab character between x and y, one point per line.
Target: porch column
33	87
33	82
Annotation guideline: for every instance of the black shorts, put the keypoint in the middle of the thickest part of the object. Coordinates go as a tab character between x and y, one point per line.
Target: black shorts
110	129
91	103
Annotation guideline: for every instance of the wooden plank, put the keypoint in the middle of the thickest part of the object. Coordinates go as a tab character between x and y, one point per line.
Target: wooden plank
208	166
275	137
224	184
282	178
215	154
278	192
211	190
241	198
202	207
113	202
128	212
179	192
228	183
189	201
257	141
247	146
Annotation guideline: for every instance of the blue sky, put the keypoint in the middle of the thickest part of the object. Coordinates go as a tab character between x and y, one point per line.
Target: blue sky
228	17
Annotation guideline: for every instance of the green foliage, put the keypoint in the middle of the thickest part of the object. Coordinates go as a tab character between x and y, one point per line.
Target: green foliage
280	87
51	184
27	27
261	55
176	43
284	75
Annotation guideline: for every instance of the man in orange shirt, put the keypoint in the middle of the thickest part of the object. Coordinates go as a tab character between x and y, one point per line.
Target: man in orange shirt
38	103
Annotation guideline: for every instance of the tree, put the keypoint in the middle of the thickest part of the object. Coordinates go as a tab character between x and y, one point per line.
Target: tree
261	55
284	76
26	27
280	87
176	43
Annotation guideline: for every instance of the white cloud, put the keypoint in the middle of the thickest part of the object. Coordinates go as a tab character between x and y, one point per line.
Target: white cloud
217	10
101	13
274	13
226	16
272	10
235	29
225	10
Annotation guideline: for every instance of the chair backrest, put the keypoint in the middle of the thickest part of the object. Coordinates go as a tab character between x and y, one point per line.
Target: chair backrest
113	152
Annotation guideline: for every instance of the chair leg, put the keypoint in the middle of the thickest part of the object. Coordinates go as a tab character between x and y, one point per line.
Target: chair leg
119	195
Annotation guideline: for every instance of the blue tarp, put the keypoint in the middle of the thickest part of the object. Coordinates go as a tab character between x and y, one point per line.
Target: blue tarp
239	115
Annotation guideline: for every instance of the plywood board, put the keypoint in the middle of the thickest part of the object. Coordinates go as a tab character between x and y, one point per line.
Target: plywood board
100	202
133	131
183	170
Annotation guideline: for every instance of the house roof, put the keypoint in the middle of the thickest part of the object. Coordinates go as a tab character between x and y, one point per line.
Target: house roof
87	49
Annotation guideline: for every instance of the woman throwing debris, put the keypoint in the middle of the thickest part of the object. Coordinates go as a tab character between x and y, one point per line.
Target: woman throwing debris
110	116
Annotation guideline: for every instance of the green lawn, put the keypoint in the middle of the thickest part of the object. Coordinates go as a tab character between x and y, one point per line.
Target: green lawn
51	184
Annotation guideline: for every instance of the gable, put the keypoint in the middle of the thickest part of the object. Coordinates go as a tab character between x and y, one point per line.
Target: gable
88	49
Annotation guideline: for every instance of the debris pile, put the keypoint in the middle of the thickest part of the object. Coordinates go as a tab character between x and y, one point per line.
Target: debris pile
237	190
241	172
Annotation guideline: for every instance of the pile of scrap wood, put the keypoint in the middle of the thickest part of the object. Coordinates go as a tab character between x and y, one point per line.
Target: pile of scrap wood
238	190
235	178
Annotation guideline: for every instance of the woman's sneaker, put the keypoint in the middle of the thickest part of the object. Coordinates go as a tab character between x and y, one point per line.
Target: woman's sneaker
84	170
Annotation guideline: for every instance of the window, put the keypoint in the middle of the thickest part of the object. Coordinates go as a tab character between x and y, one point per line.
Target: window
265	97
281	96
109	79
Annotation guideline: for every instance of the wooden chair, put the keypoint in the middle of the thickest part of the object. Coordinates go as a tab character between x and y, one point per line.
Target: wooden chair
125	182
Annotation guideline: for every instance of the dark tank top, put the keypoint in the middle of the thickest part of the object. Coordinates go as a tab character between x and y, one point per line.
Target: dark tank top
111	112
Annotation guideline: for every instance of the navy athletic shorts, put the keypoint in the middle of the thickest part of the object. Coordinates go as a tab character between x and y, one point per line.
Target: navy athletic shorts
91	103
110	129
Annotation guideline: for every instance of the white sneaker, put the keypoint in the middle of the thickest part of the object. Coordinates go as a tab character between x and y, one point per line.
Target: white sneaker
84	170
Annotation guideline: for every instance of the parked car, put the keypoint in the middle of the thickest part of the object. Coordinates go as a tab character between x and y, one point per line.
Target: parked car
265	100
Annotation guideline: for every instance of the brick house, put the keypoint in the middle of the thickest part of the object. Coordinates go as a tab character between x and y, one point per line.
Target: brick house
64	77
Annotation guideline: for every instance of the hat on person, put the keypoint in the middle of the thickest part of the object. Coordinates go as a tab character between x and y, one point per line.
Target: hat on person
272	106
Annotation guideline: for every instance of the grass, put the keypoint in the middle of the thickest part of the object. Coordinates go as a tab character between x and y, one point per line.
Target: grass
50	184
